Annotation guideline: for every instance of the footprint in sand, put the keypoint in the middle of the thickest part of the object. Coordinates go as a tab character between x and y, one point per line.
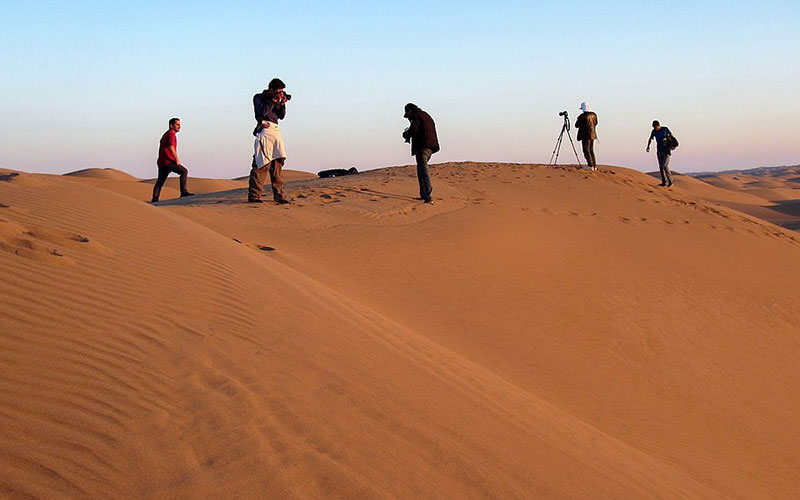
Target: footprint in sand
265	248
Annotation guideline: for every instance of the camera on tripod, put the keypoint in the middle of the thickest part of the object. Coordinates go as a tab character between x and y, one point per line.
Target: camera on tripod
564	128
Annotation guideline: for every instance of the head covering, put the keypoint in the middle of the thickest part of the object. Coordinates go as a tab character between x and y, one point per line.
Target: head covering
585	106
410	108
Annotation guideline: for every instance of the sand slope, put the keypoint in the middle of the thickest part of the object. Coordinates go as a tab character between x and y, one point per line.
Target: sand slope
772	194
142	189
537	333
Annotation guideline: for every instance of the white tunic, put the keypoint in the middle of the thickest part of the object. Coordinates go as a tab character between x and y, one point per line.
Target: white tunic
269	145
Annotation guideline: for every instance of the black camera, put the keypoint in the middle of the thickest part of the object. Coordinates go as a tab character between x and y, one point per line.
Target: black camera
286	96
563	113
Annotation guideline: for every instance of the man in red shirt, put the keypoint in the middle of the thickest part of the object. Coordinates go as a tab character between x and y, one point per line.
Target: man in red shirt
168	160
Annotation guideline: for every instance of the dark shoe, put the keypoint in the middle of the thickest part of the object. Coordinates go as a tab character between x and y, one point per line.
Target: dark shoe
669	185
282	201
187	193
662	184
255	201
154	200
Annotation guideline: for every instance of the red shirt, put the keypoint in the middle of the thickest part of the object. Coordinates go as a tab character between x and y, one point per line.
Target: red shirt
165	156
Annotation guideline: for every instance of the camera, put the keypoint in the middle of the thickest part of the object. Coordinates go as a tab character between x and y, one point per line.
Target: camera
563	113
286	96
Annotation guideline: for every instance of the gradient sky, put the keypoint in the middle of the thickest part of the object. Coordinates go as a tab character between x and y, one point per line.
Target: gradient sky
93	84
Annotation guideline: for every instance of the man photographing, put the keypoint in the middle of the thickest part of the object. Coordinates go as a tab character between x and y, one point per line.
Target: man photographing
422	136
269	150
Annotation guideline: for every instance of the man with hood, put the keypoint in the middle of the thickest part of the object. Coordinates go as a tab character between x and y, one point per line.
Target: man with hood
586	123
422	136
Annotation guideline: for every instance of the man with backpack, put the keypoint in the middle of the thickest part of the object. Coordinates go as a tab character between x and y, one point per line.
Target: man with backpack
665	143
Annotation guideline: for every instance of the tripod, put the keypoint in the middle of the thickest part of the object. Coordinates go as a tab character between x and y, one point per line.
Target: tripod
557	149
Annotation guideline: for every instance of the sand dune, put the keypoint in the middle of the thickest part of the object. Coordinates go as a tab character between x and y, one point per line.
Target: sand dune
102	173
142	189
772	194
538	332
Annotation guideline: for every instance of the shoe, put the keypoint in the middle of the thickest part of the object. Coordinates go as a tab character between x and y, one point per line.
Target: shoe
662	184
187	193
255	201
428	200
669	185
155	200
282	201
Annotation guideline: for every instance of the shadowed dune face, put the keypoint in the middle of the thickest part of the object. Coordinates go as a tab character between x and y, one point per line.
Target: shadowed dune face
537	332
772	194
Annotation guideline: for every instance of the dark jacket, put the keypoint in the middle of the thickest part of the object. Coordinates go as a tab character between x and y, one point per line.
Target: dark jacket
267	109
585	124
422	132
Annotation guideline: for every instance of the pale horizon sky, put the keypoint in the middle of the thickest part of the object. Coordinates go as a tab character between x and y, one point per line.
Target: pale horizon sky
93	84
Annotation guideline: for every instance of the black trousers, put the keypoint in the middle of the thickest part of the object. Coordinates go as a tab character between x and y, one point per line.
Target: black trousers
588	152
163	173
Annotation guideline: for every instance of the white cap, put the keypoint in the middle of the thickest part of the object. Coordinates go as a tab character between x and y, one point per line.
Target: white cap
585	106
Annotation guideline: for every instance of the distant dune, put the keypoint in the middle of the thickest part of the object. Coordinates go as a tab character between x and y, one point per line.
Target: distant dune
538	332
142	189
102	173
771	193
289	175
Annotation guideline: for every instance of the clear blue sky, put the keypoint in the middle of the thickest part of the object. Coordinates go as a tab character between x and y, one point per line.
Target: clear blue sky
92	84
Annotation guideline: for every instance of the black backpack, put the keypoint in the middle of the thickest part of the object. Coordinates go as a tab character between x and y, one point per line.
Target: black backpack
670	141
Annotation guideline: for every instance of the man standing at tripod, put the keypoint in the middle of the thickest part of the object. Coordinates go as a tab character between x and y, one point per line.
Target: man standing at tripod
586	123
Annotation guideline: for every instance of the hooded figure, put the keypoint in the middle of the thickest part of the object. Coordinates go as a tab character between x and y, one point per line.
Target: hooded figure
586	123
421	133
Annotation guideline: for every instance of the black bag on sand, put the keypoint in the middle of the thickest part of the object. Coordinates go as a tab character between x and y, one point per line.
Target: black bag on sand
338	172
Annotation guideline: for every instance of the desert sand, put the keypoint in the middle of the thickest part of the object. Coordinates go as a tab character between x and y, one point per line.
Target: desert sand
538	332
772	194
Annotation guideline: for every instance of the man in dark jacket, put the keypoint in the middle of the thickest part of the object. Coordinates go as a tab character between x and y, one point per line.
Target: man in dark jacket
586	123
269	106
663	151
422	135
